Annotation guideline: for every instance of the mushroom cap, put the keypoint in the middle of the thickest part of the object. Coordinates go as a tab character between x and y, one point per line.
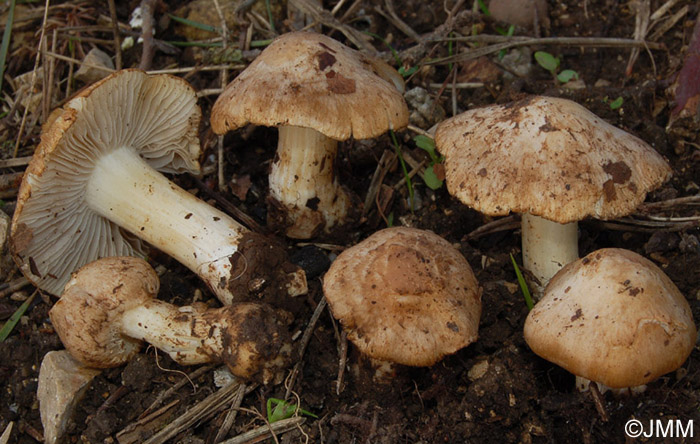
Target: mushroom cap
612	317
87	317
405	295
313	81
549	157
53	230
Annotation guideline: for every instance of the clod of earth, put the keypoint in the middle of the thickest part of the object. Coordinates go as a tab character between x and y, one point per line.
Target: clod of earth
93	190
109	308
612	317
554	162
317	92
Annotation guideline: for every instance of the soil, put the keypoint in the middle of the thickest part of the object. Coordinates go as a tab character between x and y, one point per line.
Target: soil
495	390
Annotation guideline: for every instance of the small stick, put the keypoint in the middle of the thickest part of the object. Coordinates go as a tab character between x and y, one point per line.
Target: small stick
305	339
257	435
15	162
200	412
342	360
231	414
598	401
115	33
224	80
13	286
502	224
149	49
165	394
386	162
231	208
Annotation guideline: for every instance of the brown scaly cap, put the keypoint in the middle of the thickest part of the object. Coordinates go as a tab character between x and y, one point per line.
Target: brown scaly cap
53	231
405	295
612	317
88	316
549	157
313	81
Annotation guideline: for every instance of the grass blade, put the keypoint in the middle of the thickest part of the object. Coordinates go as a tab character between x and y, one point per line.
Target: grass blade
523	284
6	36
10	324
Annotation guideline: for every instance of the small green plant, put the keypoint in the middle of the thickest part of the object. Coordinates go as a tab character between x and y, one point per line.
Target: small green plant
551	64
283	410
522	284
404	71
406	176
10	324
615	104
433	179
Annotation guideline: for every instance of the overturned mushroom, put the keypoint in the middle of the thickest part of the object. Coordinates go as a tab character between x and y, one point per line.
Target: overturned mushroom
405	296
554	162
317	92
109	308
612	317
92	186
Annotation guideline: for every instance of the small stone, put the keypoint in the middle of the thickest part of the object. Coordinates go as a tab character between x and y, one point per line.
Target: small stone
90	71
478	370
62	385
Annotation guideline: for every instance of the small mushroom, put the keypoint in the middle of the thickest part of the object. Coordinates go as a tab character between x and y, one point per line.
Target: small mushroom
554	162
93	187
317	92
612	317
108	308
404	296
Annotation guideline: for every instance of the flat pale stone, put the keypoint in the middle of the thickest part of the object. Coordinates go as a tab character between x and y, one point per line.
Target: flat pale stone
62	384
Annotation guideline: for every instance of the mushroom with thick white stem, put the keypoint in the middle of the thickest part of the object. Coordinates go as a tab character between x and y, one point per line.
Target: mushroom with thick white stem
317	91
93	186
612	317
108	309
404	296
554	162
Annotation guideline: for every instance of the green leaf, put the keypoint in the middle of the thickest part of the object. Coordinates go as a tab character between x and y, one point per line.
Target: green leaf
427	144
431	179
547	61
567	75
523	284
283	410
407	72
192	23
390	220
10	324
617	103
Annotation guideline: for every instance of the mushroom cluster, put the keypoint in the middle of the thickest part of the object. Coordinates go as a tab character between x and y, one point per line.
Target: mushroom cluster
108	309
93	190
317	91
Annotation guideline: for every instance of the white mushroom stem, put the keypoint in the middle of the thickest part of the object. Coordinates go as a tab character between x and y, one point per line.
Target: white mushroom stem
583	385
547	246
126	190
171	329
302	179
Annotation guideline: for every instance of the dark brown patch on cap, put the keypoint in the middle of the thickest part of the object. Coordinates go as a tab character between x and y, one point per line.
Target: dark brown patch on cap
325	59
577	315
619	171
482	172
339	84
609	190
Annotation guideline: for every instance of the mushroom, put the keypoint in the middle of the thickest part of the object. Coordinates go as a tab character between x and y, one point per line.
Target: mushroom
317	92
92	186
554	162
108	308
405	296
612	317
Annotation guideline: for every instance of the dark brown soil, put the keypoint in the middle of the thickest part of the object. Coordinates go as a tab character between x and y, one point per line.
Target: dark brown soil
494	391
